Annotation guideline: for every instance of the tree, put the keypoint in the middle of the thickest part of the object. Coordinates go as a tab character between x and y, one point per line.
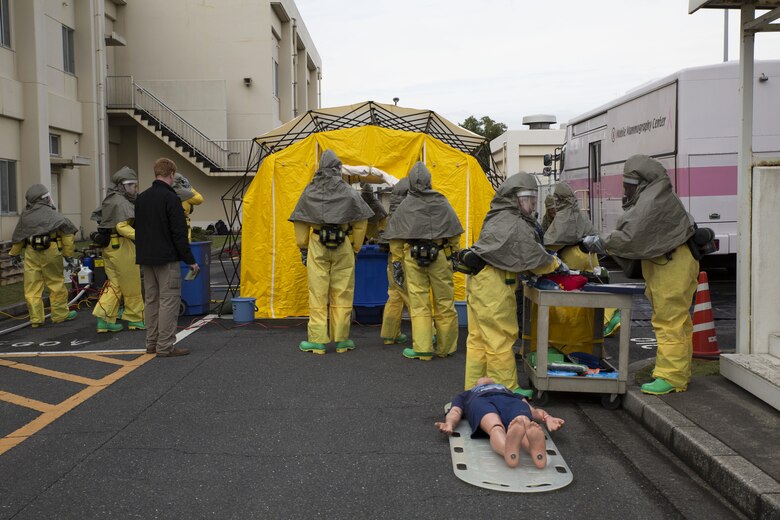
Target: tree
484	126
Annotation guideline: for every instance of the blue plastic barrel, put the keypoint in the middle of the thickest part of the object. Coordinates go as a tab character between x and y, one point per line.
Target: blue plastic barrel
243	309
370	277
370	284
196	294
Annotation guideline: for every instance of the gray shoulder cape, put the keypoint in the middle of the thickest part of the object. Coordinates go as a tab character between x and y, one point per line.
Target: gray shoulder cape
327	199
508	240
655	224
425	214
116	207
569	225
39	218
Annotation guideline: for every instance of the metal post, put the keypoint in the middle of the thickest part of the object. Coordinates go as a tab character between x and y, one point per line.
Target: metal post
725	35
744	184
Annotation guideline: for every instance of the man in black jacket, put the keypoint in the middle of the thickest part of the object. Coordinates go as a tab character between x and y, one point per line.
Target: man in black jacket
161	242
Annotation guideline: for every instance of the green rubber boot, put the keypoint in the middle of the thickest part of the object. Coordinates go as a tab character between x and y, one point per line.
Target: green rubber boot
613	324
343	346
401	338
104	326
658	387
71	316
525	393
136	325
423	356
314	348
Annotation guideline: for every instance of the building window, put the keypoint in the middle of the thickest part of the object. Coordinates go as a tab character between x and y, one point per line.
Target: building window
68	51
54	145
7	187
276	78
5	24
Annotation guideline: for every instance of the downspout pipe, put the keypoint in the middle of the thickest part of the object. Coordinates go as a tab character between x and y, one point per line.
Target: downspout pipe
100	77
295	66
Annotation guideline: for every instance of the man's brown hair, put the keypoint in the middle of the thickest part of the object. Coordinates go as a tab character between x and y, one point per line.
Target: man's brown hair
163	167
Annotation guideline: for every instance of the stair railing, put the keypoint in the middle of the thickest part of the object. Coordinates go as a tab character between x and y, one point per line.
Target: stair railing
220	155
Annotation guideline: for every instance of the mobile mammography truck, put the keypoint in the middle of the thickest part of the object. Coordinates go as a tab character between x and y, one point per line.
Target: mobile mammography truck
689	121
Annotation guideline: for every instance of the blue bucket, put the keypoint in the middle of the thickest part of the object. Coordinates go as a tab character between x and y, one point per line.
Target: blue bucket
244	310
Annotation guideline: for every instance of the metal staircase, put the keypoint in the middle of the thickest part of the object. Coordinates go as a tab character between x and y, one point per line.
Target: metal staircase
227	157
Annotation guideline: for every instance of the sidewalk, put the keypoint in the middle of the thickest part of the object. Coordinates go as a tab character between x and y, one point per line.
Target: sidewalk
728	436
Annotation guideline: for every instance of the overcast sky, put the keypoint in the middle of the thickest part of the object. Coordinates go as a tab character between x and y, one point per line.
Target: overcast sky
510	58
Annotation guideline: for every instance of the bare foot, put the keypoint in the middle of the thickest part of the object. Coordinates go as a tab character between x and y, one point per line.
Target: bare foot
536	445
514	436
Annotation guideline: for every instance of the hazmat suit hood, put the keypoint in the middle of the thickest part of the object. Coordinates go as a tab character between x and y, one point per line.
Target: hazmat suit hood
367	194
327	199
39	216
643	169
425	214
569	225
508	240
655	221
116	206
182	187
399	193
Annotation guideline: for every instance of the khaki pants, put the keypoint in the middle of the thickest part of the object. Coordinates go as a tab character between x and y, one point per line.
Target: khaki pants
162	297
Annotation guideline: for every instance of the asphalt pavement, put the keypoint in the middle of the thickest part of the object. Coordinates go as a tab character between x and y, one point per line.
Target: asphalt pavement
247	426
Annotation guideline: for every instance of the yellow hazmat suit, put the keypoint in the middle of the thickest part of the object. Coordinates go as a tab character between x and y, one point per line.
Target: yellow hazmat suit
670	286
338	215
44	269
420	283
124	279
655	229
425	220
40	223
508	244
396	296
189	198
116	216
331	275
571	328
394	308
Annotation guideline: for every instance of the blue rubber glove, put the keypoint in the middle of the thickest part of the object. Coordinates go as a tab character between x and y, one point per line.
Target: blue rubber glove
304	255
17	261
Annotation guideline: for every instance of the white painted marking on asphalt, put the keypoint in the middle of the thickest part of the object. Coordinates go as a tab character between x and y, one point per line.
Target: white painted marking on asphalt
179	336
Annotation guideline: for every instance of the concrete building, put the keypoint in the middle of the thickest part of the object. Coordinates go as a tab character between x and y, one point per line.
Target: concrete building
88	86
516	150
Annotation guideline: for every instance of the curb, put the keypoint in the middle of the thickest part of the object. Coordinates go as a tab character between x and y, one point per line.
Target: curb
747	487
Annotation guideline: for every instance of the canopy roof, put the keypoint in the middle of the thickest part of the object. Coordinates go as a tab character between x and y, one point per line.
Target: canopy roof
695	5
371	113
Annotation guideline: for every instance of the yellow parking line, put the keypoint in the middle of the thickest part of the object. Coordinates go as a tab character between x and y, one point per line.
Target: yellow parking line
19	400
58	410
49	373
102	359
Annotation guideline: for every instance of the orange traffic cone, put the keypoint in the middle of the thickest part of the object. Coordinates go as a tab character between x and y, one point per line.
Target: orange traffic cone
705	342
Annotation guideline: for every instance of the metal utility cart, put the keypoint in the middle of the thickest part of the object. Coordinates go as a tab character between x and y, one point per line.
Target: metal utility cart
598	297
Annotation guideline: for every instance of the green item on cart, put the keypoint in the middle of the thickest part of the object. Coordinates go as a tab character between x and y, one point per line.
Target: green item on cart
553	356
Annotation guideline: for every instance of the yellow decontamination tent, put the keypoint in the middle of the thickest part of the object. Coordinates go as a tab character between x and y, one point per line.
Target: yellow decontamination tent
271	270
